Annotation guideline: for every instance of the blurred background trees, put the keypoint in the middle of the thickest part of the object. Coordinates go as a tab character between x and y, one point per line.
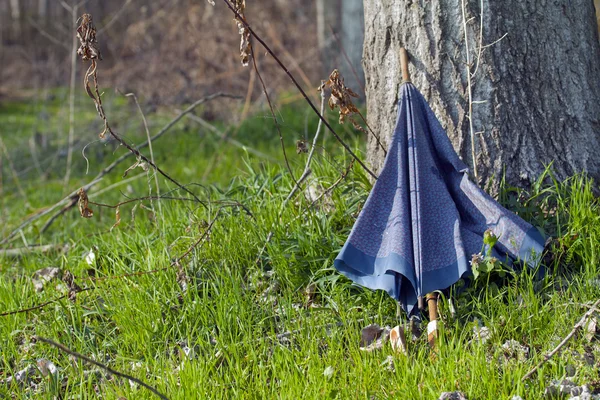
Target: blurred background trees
168	51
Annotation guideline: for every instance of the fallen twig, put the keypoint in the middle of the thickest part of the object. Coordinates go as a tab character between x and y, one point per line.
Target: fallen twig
577	327
42	305
98	364
19	252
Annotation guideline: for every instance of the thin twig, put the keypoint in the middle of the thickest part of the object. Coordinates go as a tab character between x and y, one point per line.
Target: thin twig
98	364
43	304
150	150
577	327
73	196
72	82
115	17
21	251
47	35
469	91
305	174
293	79
175	262
275	121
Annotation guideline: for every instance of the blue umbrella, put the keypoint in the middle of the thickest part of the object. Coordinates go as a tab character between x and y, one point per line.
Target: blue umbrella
424	219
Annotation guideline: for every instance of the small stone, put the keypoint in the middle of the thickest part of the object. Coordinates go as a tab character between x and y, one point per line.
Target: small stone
570	370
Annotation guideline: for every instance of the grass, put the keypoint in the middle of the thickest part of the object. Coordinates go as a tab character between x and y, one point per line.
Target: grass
218	338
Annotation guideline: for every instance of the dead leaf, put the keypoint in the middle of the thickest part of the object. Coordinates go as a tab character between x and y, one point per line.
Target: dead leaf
138	163
45	275
398	340
328	372
117	217
373	337
310	294
301	147
591	329
245	35
341	97
46	367
73	288
84	210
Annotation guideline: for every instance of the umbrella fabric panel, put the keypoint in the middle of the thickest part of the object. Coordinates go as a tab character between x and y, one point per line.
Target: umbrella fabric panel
424	218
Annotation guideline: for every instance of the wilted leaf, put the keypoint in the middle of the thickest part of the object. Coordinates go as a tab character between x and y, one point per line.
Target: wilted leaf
301	147
84	210
44	275
310	294
373	337
138	163
73	288
341	97
245	35
398	340
117	218
46	367
591	329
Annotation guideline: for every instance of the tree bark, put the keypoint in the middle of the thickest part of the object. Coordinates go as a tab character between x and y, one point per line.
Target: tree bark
536	91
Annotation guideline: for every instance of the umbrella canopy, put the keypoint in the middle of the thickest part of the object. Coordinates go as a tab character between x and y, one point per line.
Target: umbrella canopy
424	218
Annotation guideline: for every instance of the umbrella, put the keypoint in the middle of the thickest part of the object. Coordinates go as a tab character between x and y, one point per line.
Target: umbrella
424	219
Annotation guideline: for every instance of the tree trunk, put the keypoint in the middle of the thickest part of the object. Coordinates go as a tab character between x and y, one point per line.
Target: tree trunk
340	36
352	38
328	19
535	90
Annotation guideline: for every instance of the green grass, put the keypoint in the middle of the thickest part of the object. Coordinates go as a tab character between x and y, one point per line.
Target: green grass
234	308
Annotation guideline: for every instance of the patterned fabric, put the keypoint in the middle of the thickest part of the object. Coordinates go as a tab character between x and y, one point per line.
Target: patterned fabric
424	218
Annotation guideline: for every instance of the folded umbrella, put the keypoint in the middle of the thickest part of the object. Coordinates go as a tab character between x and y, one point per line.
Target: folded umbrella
424	219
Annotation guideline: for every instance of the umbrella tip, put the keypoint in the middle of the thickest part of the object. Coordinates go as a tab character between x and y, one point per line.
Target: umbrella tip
404	65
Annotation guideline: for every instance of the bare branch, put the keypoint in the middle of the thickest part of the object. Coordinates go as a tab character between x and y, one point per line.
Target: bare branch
559	346
98	364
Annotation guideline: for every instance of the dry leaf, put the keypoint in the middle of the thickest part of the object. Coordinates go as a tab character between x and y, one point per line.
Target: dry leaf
341	97
69	280
46	367
591	329
84	210
117	217
301	147
373	337
44	275
245	35
398	340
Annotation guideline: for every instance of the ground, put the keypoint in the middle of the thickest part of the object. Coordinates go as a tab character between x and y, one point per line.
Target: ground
231	321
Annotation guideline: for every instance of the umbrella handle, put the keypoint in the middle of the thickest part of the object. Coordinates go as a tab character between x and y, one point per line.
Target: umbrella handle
404	64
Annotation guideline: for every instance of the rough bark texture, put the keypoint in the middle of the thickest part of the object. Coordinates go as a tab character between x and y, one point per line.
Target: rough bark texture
540	83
